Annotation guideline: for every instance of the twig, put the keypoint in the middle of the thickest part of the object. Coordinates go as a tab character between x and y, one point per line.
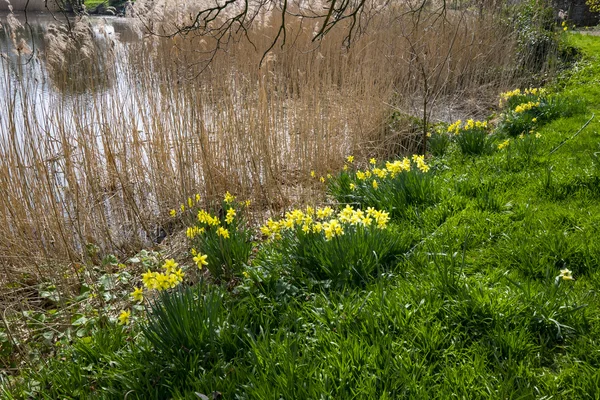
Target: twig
577	133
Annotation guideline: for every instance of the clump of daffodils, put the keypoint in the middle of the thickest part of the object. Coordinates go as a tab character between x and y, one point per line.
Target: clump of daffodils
324	221
504	144
458	127
169	278
530	92
207	221
221	241
391	169
521	108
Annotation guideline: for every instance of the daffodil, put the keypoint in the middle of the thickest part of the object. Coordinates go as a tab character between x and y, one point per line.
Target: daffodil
350	159
566	274
173	213
149	279
230	215
325	212
504	144
138	294
228	198
170	265
173	280
318	227
265	230
223	232
200	260
162	281
124	317
179	274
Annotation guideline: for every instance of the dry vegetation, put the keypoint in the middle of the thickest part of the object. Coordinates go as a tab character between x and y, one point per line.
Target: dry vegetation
134	135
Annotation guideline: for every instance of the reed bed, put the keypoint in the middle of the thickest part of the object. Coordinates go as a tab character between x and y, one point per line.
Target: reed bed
128	130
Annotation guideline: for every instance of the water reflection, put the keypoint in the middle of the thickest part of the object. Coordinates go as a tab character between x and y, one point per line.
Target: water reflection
76	62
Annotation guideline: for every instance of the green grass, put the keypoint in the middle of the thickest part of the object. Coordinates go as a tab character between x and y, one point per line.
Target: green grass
471	309
91	4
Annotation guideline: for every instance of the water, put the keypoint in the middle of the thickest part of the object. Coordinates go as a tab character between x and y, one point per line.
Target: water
42	98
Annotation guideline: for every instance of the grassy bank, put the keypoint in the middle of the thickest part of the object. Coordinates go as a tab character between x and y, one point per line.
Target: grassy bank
482	284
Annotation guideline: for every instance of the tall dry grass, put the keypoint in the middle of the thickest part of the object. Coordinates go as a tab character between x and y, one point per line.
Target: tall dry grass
122	141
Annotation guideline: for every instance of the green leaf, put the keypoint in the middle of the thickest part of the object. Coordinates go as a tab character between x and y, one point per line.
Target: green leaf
108	282
80	321
49	335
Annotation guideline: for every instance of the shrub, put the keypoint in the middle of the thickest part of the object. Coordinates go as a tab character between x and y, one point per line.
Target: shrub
536	42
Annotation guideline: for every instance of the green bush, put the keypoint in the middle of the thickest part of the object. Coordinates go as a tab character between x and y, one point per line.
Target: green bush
537	44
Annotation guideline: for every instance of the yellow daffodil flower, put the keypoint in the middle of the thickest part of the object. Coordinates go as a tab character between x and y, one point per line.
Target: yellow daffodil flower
138	294
170	265
228	198
124	317
230	215
223	232
200	260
